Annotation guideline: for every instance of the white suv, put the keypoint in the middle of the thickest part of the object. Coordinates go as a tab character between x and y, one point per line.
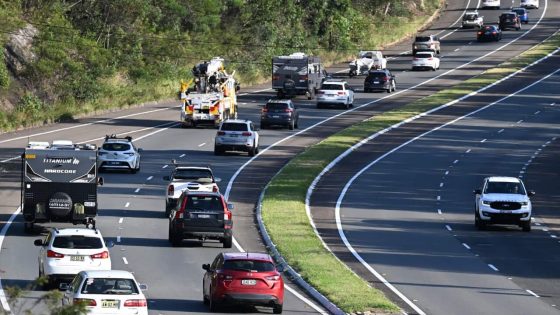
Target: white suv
503	200
119	154
335	93
65	252
237	135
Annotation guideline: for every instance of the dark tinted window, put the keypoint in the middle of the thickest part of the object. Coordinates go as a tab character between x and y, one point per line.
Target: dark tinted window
116	146
204	203
376	75
423	55
109	286
249	265
489	28
470	17
193	174
234	126
519	11
277	106
337	87
508	15
422	38
504	188
77	241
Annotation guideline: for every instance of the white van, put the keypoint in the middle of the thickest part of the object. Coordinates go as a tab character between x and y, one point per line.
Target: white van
530	4
491	4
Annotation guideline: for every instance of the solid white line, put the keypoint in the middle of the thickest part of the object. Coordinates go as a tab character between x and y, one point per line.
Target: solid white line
10	159
501	130
137	190
456	49
545	230
182	155
118	238
165	166
121	220
149	178
553	236
202	144
493	267
127	204
3	232
532	293
125	261
448	228
253	92
466	246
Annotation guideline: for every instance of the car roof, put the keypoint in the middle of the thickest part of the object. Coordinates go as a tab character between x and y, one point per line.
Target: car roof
425	52
279	101
241	256
108	274
471	12
202	193
77	231
185	167
334	82
237	121
504	179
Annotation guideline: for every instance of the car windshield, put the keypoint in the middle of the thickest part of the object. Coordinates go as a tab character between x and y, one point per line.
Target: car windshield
114	286
422	38
77	242
421	55
508	16
234	127
336	87
519	11
489	28
194	175
115	146
276	106
368	55
249	265
376	75
204	203
470	17
504	188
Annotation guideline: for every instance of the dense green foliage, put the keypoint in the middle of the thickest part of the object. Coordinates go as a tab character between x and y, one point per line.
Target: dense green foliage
97	54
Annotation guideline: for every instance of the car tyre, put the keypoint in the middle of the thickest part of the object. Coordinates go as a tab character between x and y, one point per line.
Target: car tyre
218	150
291	125
205	300
297	123
174	239
212	304
277	309
252	150
478	223
228	241
526	226
263	125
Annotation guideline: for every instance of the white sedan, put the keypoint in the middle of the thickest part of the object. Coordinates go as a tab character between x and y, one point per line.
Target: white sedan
425	60
106	292
335	93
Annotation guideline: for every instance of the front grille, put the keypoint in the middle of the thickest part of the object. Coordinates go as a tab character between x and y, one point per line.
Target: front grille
505	205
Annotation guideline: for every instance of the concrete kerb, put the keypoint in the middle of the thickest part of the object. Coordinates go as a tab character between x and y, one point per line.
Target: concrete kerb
285	267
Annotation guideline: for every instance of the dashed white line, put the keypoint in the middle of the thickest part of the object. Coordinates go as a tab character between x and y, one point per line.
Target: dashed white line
532	293
165	166
519	121
553	236
493	267
127	204
446	172
439	211
483	140
537	112
468	151
448	228
501	130
466	246
552	104
149	178
438	198
125	261
537	223
455	162
118	238
456	49
121	220
182	155
440	184
137	190
545	230
202	144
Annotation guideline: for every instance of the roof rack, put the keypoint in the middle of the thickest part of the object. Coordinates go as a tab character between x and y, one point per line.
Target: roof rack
114	136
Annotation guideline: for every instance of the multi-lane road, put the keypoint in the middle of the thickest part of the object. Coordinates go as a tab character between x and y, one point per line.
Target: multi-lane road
131	205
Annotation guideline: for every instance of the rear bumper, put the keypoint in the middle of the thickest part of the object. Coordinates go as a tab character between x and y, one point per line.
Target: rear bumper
234	147
251	299
276	121
377	87
202	232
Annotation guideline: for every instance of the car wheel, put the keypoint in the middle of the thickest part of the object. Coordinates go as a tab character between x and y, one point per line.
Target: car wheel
291	125
212	304
478	223
319	105
228	241
205	300
394	86
263	126
277	309
252	150
297	123
434	68
174	239
526	226
218	150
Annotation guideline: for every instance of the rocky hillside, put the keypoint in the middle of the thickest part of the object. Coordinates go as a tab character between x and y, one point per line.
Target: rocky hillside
66	57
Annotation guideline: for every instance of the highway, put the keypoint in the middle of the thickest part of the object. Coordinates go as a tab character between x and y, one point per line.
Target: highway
132	204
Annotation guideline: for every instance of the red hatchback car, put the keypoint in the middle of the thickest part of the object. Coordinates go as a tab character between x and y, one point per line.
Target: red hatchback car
243	278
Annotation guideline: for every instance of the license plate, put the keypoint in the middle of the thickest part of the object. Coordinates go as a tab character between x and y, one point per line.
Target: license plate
233	136
114	163
505	211
248	282
205	107
275	116
77	258
204	216
375	82
109	303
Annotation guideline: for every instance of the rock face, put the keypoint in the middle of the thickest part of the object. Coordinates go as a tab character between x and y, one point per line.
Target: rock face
18	52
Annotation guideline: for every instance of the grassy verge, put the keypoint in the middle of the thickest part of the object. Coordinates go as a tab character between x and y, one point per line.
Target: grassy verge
283	207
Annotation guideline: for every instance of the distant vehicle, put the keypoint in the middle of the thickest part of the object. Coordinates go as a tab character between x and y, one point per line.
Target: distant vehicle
297	74
509	20
335	93
425	60
503	200
201	215
187	177
530	4
112	292
243	278
119	154
380	80
237	135
367	60
279	112
522	13
489	32
426	43
59	183
491	4
66	252
472	19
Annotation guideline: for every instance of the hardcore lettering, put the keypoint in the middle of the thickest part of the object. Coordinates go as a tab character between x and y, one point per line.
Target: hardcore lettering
50	171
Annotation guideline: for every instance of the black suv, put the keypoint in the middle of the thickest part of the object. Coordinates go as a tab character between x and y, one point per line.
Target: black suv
279	112
380	80
202	216
510	20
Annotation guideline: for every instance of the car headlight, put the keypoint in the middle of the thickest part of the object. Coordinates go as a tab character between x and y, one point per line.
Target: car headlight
524	203
485	202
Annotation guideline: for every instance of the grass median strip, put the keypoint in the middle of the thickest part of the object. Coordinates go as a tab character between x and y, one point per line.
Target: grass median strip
283	207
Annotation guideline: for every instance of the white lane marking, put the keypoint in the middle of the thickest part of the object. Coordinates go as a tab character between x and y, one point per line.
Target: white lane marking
127	204
440	184
448	228
553	236
537	223
501	130
457	21
456	161
456	49
519	121
3	299
468	151
137	190
125	261
253	92
483	140
182	155
121	220
202	144
537	112
439	211
438	197
149	178
10	159
466	246
165	166
532	293
446	172
552	104
493	267
545	230
118	238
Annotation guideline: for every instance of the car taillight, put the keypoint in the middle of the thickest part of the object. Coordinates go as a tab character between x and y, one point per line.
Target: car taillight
171	190
215	189
303	77
288	110
179	214
86	302
479	33
221	133
136	303
221	276
102	255
53	254
385	79
494	33
430	58
272	278
341	93
264	110
227	215
246	134
129	153
275	77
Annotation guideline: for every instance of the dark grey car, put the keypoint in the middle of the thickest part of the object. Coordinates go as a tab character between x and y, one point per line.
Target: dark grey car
279	112
380	80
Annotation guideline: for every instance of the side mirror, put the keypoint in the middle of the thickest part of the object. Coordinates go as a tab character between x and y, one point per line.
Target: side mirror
38	243
110	244
237	87
140	150
143	286
477	191
206	267
217	179
100	181
230	206
531	192
166	178
63	286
